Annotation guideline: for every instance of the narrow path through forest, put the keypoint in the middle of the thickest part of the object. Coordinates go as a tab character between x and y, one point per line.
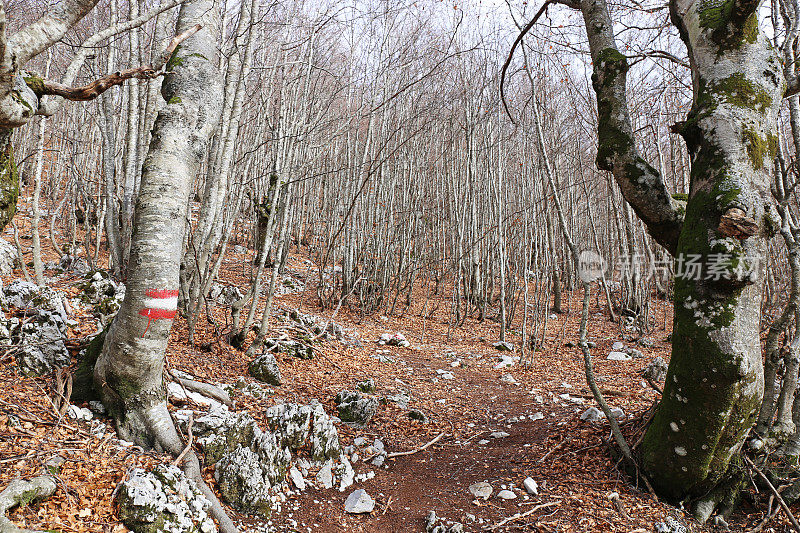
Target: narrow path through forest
493	419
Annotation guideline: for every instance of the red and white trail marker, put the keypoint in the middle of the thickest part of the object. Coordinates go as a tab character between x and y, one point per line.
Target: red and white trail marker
160	304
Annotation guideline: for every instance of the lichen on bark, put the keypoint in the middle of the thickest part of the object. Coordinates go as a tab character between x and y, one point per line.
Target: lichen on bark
715	382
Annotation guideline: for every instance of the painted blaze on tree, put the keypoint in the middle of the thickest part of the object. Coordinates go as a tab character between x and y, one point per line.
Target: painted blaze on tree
715	381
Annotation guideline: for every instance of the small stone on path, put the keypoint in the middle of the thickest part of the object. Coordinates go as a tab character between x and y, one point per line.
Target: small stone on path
481	490
359	502
531	487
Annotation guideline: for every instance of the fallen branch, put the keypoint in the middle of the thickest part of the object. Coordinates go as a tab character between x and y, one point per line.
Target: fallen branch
421	448
770	516
653	384
388	504
63	392
586	393
559	445
481	432
521	515
592	383
775	492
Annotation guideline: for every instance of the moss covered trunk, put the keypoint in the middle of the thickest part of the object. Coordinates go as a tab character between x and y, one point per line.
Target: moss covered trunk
9	180
715	380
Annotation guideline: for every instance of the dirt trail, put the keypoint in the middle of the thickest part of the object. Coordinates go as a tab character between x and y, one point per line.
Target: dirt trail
564	455
451	376
438	479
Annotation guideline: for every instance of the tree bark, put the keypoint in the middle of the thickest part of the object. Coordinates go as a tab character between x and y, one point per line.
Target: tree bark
640	183
714	384
129	371
715	380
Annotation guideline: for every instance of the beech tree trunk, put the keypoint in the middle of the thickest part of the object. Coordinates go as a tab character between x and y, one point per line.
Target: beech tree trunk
129	372
715	383
9	179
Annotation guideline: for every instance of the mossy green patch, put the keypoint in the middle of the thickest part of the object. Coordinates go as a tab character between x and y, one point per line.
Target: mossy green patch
737	90
83	378
612	139
612	55
714	14
36	84
726	25
18	97
174	59
771	225
27	497
750	30
757	147
9	185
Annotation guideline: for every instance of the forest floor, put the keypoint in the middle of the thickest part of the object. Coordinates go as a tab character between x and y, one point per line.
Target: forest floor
566	456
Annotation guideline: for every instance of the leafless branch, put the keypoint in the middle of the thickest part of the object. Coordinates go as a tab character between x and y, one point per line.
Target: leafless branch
775	492
37	37
98	87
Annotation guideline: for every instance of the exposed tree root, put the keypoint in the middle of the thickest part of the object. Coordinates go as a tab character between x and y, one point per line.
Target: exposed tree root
206	389
161	426
723	499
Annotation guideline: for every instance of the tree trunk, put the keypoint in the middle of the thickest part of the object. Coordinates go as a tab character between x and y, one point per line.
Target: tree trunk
714	385
9	179
129	371
715	382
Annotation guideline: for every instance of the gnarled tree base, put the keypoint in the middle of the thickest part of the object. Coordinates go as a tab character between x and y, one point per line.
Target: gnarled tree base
153	426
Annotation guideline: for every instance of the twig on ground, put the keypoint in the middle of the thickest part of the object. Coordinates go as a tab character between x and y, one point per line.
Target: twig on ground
586	393
388	504
63	392
559	445
481	432
521	515
654	385
775	492
767	519
421	448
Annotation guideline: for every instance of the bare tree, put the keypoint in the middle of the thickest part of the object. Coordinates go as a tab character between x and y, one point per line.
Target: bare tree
715	382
